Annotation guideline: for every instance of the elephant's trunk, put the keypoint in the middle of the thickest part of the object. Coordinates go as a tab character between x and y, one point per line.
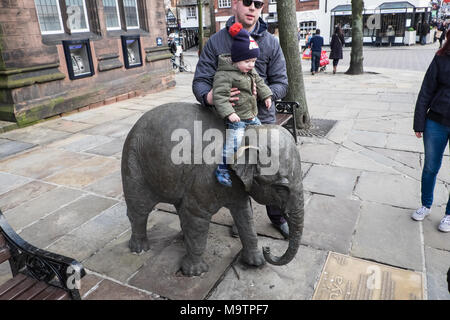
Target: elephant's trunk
295	222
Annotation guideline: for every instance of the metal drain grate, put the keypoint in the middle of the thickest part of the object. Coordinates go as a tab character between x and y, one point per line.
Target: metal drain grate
319	128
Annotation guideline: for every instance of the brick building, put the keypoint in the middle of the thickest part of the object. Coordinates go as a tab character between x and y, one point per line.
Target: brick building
269	13
60	55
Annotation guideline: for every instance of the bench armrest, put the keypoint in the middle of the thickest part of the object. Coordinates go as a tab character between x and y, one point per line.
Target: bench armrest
42	265
286	107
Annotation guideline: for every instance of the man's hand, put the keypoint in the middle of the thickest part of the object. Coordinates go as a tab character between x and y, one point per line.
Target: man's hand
233	92
268	102
234	117
419	135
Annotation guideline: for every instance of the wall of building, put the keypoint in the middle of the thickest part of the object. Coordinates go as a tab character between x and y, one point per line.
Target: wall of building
34	79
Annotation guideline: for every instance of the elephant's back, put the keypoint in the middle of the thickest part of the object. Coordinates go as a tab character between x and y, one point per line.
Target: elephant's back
164	142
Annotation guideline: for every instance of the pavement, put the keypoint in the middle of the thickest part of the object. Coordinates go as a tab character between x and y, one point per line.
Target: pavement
60	189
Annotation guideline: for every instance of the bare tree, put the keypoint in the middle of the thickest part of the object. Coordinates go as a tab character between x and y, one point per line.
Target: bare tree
287	24
356	56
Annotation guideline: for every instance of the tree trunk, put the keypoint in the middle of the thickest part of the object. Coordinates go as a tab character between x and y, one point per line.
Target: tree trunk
200	26
356	56
212	15
287	24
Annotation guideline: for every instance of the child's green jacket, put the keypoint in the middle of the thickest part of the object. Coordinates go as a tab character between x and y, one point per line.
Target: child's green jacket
229	76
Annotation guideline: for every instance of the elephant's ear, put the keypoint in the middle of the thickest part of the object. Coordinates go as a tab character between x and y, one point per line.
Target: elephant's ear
246	165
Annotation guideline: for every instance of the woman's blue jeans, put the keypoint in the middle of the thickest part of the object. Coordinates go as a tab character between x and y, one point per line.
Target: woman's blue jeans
435	139
234	134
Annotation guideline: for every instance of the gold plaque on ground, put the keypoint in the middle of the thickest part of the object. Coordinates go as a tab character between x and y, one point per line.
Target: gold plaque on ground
348	278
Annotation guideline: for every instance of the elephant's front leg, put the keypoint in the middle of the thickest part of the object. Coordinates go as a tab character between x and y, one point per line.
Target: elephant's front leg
242	213
195	231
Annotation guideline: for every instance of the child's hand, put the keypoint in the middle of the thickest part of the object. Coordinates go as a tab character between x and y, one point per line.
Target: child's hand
234	117
268	102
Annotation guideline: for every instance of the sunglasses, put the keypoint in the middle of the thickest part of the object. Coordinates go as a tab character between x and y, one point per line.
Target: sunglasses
248	3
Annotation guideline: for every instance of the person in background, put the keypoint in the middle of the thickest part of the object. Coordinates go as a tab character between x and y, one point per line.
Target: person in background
432	121
336	44
315	43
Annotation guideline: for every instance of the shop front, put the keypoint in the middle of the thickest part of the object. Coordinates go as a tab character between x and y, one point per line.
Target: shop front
387	24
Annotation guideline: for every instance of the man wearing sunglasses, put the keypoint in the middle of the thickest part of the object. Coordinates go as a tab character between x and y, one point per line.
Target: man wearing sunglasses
270	65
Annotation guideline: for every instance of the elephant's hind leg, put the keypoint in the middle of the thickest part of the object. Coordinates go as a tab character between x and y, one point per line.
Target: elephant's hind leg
139	206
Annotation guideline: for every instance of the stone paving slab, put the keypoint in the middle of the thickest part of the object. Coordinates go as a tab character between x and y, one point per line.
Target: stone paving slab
11	181
10	147
109	290
388	235
36	209
94	234
114	129
437	265
35	135
294	281
108	149
65	125
85	172
404	142
44	232
330	223
368	138
410	159
26	192
432	236
161	274
331	180
42	162
116	261
80	142
396	190
350	159
318	153
109	186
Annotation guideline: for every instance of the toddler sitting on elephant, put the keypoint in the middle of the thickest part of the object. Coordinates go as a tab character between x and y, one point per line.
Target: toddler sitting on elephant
236	70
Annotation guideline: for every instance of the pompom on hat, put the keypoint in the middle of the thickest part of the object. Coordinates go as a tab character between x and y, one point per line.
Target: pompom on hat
244	46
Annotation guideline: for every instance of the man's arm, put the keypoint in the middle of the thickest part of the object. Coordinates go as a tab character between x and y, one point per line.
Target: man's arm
204	74
277	74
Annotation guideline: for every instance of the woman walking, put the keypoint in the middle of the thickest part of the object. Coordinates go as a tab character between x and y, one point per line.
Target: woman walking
336	44
432	120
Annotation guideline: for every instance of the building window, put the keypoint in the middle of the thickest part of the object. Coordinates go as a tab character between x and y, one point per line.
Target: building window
60	16
77	16
224	3
131	14
307	26
49	16
191	13
112	15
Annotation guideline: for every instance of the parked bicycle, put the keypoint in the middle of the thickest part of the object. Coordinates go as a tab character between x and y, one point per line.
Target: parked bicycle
179	64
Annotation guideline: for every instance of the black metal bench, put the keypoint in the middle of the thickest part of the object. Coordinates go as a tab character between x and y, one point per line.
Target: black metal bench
37	274
285	116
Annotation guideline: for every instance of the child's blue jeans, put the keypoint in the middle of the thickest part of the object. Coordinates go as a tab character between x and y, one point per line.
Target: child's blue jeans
435	139
235	133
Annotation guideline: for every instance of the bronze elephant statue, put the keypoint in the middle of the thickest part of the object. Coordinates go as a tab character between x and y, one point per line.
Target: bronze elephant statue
161	163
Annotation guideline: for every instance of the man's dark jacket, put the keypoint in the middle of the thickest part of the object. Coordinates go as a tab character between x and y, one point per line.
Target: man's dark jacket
271	66
316	43
433	101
